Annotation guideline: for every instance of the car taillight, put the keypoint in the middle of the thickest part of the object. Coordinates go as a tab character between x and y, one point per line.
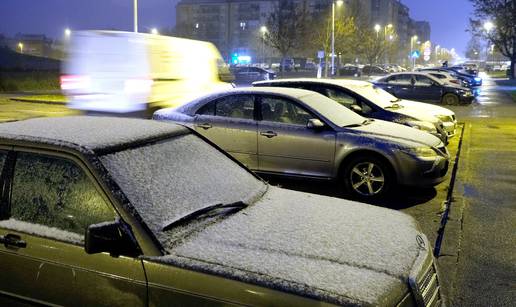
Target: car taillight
140	85
74	82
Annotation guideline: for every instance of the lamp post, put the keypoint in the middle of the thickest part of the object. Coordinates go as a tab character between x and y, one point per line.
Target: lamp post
135	13
339	3
67	32
377	28
20	45
412	40
154	31
263	29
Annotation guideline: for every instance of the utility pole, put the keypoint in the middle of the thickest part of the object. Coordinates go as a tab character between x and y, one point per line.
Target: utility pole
135	7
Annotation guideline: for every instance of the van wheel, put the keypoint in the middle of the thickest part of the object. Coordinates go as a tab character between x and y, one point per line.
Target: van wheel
450	99
367	177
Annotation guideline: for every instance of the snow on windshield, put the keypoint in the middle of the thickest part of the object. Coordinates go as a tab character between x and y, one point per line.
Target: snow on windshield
374	94
169	179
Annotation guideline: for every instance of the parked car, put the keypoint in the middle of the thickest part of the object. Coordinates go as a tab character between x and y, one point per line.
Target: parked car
421	86
299	133
371	101
374	70
136	73
472	79
126	212
349	70
464	81
245	75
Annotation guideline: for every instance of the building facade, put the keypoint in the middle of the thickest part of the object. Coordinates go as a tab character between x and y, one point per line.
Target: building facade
236	27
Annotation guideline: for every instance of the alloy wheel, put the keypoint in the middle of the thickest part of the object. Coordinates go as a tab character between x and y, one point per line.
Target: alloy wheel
367	179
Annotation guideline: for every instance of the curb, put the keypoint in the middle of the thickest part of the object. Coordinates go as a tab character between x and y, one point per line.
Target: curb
38	101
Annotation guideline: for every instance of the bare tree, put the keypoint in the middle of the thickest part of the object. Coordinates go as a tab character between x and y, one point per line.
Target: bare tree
373	45
502	14
286	26
473	49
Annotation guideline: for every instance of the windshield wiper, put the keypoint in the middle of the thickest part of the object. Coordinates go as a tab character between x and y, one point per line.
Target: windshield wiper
393	106
396	100
198	213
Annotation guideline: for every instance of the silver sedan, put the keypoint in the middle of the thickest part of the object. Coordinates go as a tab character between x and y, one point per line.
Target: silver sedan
299	133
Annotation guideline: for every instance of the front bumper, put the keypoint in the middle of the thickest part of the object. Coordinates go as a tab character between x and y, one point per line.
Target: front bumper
414	171
450	127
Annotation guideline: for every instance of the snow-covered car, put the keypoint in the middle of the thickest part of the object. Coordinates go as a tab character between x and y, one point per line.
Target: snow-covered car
299	133
373	102
126	212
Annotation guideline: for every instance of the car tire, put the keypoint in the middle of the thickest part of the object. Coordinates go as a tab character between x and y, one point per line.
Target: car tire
367	177
450	99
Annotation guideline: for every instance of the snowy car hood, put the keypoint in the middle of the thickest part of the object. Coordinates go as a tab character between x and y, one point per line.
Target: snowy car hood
400	133
426	107
326	248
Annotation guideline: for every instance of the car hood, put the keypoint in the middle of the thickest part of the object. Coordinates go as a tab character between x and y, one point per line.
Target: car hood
426	107
325	248
399	133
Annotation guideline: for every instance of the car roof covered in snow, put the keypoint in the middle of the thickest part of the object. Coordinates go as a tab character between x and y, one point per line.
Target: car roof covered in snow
88	133
339	82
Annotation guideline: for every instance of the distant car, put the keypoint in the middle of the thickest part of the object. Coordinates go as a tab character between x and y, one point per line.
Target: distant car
298	133
245	75
421	86
371	101
374	70
472	79
141	213
465	81
349	70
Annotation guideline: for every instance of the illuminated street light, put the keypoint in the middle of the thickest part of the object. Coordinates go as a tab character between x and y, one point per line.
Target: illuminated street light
263	29
67	32
154	31
377	28
339	3
20	45
488	26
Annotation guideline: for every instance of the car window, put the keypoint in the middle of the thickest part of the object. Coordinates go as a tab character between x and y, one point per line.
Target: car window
56	192
440	76
284	111
207	109
341	97
423	81
235	106
401	79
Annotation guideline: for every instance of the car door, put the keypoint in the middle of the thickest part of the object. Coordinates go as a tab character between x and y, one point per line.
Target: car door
285	144
425	89
230	123
50	203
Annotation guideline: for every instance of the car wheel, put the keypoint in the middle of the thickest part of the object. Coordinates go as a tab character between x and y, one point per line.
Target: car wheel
450	99
367	177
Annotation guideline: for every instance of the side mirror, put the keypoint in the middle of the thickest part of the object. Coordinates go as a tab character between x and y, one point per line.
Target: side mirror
114	238
315	124
356	108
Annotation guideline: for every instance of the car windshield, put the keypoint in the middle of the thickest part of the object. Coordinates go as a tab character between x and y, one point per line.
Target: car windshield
375	94
167	180
333	111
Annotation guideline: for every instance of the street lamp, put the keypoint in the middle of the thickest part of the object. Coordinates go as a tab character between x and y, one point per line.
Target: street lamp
154	31
339	3
67	32
135	13
263	30
377	28
488	26
20	45
412	40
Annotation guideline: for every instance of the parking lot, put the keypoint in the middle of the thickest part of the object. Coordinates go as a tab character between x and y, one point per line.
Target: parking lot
474	239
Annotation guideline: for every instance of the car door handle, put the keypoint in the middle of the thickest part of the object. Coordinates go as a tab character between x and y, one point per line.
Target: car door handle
205	126
12	240
269	134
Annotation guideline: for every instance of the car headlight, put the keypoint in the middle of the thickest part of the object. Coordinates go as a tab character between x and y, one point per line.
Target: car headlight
421	152
423	126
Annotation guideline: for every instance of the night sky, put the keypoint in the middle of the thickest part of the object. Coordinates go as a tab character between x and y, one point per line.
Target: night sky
448	18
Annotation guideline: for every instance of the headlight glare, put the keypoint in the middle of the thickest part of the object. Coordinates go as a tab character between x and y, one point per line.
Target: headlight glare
422	152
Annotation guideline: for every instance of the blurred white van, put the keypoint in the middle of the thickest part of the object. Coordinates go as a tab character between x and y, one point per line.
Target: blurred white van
127	72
